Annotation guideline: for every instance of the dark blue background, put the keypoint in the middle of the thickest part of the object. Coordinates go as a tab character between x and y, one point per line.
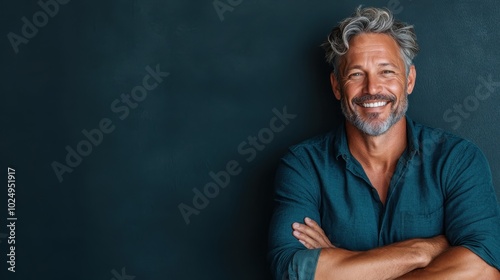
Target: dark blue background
119	207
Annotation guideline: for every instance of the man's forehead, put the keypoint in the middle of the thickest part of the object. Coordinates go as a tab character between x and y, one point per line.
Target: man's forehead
374	46
378	64
373	42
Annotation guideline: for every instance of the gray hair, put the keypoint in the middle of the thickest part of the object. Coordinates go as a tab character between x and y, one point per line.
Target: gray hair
370	20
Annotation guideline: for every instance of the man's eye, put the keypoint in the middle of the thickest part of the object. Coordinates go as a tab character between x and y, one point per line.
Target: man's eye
355	75
385	72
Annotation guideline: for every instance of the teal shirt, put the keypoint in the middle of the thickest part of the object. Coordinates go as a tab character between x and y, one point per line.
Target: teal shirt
441	185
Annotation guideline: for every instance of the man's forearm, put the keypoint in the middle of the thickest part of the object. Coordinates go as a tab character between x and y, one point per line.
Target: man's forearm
388	262
455	263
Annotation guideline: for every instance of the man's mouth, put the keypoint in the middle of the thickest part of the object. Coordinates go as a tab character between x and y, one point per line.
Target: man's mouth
373	101
374	104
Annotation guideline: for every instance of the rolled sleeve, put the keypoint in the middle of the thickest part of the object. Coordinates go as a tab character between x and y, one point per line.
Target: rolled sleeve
472	215
296	197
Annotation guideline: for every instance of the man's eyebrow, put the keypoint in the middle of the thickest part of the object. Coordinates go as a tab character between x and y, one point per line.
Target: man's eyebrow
354	67
382	64
387	64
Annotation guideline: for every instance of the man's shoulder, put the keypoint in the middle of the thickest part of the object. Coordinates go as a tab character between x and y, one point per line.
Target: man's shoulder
318	143
431	138
313	153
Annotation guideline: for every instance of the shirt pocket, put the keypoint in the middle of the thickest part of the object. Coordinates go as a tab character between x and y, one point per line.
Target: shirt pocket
422	224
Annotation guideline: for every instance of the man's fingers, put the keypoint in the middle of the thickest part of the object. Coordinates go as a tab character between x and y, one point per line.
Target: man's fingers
315	237
311	234
307	245
307	230
305	239
305	234
310	242
310	222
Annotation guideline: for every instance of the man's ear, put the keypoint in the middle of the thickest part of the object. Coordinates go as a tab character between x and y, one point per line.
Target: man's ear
410	81
335	86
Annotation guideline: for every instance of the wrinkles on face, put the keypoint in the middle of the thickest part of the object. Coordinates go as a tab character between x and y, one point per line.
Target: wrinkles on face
373	84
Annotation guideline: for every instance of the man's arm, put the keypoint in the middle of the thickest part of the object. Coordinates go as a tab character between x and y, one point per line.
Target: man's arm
456	263
437	261
388	262
298	194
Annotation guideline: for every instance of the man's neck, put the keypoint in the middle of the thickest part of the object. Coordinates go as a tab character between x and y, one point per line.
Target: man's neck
378	153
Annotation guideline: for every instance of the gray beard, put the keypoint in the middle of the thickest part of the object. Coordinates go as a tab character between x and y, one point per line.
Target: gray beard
379	127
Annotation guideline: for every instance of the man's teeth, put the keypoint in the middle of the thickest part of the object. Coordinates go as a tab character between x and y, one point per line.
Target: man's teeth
374	104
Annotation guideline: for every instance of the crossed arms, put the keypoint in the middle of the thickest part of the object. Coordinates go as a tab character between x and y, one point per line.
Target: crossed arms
430	258
469	248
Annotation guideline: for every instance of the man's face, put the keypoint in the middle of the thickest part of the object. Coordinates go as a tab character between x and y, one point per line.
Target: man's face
373	87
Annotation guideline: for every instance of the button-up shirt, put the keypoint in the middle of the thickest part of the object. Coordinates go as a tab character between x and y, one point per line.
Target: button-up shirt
442	184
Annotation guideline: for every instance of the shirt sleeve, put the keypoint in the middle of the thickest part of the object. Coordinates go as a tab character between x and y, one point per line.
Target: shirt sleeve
472	215
296	196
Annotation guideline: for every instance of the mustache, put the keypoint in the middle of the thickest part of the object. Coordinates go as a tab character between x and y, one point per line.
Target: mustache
373	97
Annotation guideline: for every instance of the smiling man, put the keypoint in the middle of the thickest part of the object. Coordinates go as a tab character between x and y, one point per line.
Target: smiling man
382	197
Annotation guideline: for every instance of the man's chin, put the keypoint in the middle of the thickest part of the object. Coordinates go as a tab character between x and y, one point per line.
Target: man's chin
373	127
375	131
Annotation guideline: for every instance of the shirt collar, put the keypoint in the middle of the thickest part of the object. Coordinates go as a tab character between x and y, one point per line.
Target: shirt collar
340	143
342	148
411	134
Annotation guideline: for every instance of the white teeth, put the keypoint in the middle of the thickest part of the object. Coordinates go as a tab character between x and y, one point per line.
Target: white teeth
374	104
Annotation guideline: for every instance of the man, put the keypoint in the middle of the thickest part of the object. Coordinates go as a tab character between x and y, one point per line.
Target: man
382	197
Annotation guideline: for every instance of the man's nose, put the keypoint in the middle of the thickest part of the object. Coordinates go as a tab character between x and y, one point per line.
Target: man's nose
372	84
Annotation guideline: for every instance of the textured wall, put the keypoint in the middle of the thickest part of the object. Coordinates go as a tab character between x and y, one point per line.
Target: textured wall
114	113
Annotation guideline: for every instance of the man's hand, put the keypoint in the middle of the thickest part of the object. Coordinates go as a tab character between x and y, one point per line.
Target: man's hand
455	263
311	235
387	262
